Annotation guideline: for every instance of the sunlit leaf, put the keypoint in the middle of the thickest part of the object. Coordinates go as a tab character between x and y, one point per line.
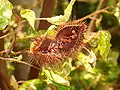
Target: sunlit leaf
55	77
57	20
32	32
32	87
104	43
116	11
92	58
51	32
68	10
93	42
29	15
18	57
34	84
13	82
67	67
5	13
60	86
88	62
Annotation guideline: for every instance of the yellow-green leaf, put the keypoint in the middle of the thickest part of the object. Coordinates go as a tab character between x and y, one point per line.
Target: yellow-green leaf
57	20
5	13
55	77
104	43
29	15
68	10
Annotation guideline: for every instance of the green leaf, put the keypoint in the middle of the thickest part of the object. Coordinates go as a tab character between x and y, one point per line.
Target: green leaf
94	42
63	18
60	86
104	44
79	79
32	33
5	13
57	20
116	13
67	67
51	32
68	10
29	15
88	62
55	77
13	83
113	74
34	84
113	57
19	58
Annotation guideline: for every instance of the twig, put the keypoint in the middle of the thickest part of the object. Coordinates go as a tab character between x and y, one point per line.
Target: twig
92	14
20	82
17	53
92	25
104	10
17	16
12	44
14	32
5	35
21	62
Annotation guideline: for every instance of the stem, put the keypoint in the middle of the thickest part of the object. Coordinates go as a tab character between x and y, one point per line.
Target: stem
5	35
21	62
92	25
104	10
41	18
86	17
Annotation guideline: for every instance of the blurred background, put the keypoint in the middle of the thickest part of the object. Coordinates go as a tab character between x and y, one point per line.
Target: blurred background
50	8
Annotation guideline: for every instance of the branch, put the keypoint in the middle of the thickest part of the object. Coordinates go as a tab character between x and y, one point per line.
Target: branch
92	25
5	35
12	43
21	62
104	10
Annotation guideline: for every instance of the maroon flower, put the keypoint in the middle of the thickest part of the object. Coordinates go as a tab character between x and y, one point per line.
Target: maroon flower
70	37
45	52
48	51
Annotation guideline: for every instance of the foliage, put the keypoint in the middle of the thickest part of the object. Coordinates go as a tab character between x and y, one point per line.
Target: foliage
104	44
5	13
29	15
96	68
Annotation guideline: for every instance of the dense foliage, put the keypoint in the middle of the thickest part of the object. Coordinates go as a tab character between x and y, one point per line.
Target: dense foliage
91	63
